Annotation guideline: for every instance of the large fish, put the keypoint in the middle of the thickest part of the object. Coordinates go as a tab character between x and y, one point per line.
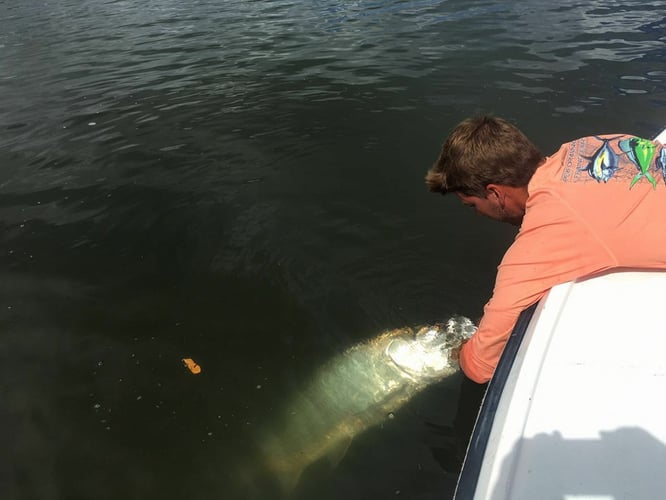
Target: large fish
356	390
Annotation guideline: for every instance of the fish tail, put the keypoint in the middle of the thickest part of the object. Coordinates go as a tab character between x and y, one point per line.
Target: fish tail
652	180
635	179
285	479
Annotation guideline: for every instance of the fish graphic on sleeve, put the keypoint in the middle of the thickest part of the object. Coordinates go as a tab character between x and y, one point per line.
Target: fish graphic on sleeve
640	152
661	162
603	163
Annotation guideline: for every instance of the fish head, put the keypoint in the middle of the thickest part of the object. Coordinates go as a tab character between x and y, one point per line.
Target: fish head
427	354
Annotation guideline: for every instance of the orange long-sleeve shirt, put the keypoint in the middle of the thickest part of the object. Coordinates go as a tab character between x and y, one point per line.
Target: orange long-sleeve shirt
597	204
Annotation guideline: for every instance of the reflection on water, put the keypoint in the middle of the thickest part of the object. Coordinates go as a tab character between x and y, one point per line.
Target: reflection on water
241	183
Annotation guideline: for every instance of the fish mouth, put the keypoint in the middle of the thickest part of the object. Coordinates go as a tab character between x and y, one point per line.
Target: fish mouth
428	353
418	360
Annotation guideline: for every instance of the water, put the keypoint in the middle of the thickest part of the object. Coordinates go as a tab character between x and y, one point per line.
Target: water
241	183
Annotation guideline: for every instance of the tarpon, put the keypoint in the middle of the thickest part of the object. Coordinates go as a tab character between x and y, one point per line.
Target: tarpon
357	390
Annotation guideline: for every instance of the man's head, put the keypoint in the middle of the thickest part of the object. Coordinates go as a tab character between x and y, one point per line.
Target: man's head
488	163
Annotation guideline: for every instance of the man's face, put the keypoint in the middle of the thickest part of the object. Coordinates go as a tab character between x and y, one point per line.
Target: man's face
488	207
491	207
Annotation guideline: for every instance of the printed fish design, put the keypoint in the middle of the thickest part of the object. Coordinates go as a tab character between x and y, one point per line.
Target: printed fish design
640	152
661	162
603	163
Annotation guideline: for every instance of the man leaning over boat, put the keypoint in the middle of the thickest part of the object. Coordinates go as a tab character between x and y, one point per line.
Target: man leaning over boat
596	204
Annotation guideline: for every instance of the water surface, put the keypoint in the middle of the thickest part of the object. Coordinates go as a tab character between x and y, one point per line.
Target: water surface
241	182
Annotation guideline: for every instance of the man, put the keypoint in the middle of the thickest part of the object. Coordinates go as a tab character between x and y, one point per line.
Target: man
598	203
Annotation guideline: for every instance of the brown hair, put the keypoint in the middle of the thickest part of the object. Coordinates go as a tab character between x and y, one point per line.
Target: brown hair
481	151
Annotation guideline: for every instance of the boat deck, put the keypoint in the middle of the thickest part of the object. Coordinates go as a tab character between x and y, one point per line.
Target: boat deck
577	410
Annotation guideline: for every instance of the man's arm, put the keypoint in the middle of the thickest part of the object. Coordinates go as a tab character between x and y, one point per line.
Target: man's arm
552	247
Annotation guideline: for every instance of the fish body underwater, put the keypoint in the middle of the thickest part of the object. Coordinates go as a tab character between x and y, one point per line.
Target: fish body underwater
357	390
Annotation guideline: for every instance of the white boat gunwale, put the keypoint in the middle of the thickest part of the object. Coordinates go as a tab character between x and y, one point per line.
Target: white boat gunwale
476	450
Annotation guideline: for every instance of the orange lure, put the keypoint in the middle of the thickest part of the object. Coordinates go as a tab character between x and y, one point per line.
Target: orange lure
192	366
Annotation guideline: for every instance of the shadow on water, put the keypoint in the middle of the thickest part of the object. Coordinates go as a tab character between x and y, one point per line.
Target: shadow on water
625	464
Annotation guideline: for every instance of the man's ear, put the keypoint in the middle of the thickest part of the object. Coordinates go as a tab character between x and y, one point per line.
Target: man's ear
495	190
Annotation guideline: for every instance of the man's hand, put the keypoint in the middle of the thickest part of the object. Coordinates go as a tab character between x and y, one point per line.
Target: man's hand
454	354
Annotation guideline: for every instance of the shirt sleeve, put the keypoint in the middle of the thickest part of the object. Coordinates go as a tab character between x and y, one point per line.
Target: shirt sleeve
553	246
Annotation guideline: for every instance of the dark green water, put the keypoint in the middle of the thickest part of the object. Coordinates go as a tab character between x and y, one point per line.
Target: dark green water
241	182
